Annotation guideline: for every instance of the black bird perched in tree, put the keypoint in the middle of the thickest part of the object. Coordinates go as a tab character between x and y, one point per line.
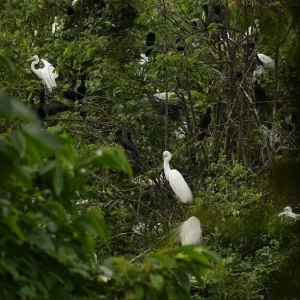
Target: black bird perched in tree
81	90
70	11
70	94
150	40
79	94
249	49
261	98
43	110
218	9
124	139
203	124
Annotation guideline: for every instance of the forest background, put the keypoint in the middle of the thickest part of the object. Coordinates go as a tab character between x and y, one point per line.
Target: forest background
80	221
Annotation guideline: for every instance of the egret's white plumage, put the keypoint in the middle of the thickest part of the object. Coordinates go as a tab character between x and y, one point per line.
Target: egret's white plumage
180	133
253	30
288	212
163	96
46	74
144	59
190	232
57	26
177	182
268	63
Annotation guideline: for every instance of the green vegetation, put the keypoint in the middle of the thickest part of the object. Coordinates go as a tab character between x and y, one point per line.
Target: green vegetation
83	218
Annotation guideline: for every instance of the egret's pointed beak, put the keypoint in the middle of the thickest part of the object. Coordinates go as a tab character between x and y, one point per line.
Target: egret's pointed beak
30	59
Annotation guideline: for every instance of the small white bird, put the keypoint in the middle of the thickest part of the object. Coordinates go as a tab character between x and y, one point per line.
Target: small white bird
46	74
144	59
253	30
177	182
288	212
74	2
180	132
267	63
163	96
57	26
190	232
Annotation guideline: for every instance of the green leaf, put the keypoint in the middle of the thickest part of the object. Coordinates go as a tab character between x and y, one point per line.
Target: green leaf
113	158
6	65
57	180
10	107
42	138
14	227
138	291
157	281
100	219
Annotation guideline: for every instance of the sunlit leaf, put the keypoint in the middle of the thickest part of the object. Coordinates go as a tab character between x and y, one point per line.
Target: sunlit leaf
113	158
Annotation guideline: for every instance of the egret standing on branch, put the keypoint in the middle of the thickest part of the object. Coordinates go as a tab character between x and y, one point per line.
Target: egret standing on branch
288	212
190	232
203	124
264	62
177	182
46	74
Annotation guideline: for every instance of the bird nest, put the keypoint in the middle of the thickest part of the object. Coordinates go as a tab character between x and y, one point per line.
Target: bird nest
175	107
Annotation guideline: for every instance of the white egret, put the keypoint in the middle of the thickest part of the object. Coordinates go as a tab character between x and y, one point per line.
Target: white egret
190	232
57	26
74	2
177	182
46	74
288	212
253	30
163	96
266	62
180	133
144	59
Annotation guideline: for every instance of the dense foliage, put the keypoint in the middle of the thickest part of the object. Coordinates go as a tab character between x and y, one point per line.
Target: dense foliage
78	221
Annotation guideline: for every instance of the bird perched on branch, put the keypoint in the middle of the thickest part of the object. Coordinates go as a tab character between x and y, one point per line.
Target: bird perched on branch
150	40
57	26
42	109
261	98
124	139
78	94
190	232
203	124
288	212
46	74
175	107
253	31
264	62
176	180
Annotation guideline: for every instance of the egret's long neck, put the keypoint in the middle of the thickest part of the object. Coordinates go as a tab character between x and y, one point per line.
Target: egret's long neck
167	168
35	62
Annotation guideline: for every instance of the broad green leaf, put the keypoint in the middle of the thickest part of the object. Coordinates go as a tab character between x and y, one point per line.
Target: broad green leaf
138	291
113	158
157	281
42	138
57	179
12	222
5	64
100	219
90	224
9	107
